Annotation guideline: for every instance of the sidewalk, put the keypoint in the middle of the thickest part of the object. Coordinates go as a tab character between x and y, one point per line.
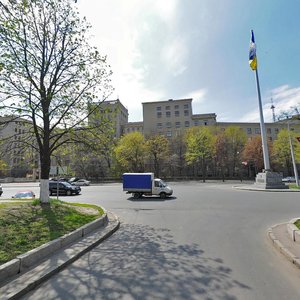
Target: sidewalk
19	285
283	241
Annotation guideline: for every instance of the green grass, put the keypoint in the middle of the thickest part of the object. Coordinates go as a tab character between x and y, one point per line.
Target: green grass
27	225
298	224
294	186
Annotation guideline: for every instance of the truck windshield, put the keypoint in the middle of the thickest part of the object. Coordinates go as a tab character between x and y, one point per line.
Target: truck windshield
163	184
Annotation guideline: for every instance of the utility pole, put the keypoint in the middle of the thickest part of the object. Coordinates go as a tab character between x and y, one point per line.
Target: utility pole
292	154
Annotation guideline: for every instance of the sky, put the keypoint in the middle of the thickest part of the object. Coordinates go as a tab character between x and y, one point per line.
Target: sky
175	49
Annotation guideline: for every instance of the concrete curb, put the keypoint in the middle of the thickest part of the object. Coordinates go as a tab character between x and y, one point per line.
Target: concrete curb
281	248
253	188
33	275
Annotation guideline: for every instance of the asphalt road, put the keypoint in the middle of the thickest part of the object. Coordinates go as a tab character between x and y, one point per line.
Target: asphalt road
209	241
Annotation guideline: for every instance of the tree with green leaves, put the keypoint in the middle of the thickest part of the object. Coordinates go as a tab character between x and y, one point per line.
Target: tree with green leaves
282	150
158	148
49	74
130	152
235	141
200	147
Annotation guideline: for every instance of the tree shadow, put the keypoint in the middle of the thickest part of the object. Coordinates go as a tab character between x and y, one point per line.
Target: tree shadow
142	262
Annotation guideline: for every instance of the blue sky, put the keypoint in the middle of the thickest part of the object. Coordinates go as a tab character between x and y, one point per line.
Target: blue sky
173	49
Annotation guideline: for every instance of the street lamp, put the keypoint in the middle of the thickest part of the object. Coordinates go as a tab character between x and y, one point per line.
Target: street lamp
292	153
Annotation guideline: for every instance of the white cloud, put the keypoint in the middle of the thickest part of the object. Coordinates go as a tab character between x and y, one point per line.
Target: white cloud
174	56
284	98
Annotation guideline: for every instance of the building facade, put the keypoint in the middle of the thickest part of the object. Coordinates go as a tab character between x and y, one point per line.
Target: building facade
112	112
172	117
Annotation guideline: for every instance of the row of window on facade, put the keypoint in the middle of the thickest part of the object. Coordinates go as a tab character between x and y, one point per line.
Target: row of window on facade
168	107
176	113
169	125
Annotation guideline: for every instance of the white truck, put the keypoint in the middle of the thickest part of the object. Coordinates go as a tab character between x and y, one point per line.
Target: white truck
139	184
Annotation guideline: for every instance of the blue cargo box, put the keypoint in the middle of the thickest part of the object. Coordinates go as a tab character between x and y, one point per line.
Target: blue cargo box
137	182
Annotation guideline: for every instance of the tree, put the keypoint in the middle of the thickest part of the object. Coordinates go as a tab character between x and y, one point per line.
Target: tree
282	150
200	147
235	140
158	148
49	74
253	153
221	153
130	152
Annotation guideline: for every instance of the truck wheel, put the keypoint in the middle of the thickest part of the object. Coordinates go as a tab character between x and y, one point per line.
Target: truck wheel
136	195
163	195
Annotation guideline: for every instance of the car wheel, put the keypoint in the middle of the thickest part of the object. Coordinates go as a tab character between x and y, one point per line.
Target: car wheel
163	195
69	193
50	193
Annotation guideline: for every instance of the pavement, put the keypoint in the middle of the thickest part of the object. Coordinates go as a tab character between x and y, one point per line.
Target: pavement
34	271
285	237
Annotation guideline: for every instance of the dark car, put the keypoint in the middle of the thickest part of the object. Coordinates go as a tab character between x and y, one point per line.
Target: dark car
64	188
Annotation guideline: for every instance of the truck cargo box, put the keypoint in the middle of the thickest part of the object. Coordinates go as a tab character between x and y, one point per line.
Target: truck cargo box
137	182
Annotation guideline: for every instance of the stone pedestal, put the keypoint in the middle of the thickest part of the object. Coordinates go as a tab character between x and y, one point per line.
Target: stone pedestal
269	180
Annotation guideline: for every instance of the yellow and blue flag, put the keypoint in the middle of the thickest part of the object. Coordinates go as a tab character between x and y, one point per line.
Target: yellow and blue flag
252	53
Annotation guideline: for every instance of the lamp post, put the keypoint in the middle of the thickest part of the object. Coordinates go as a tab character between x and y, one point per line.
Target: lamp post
293	155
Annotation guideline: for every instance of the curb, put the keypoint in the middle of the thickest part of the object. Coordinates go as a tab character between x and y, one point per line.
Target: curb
20	284
253	188
281	248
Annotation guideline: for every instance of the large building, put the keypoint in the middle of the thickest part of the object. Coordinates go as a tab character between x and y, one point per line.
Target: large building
112	111
14	148
171	117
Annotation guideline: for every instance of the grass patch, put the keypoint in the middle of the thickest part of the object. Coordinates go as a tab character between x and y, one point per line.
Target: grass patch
27	225
297	224
294	186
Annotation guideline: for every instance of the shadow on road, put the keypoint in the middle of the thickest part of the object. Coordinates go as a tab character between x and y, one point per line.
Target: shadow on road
142	262
151	198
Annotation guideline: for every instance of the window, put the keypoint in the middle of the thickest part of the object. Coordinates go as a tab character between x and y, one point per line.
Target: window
168	114
205	123
177	124
159	114
196	123
185	106
169	134
249	131
269	130
257	131
158	108
186	113
187	124
176	113
176	107
276	130
168	107
159	125
270	139
169	125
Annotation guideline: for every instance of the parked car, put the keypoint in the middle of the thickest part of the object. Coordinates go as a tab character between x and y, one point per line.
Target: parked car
81	182
64	188
24	195
1	190
289	179
73	179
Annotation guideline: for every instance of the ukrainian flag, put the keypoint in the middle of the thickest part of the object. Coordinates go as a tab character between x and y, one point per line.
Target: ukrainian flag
252	53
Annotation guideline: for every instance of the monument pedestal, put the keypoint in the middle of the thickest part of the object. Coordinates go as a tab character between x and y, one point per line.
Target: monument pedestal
269	180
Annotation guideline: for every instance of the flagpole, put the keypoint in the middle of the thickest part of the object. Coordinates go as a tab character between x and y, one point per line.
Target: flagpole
262	127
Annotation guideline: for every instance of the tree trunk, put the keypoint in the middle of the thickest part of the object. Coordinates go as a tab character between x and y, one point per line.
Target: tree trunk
44	184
